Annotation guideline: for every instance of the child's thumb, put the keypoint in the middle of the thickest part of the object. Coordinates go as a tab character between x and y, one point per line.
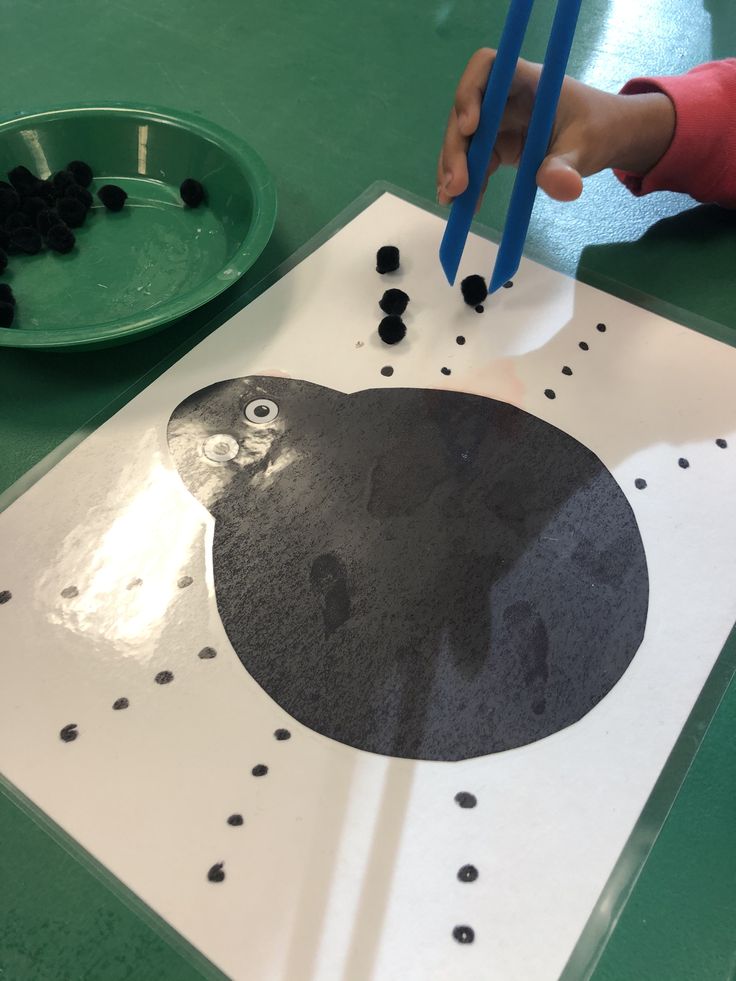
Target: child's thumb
559	176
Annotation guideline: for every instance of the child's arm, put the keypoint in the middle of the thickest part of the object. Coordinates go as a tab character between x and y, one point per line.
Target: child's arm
646	135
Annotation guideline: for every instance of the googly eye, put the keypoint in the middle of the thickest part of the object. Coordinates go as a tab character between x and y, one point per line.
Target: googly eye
261	411
220	448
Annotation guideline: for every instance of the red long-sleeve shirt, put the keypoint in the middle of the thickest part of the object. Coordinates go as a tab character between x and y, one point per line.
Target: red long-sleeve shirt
701	160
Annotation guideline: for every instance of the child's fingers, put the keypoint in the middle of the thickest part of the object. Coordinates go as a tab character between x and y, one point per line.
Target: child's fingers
452	171
471	88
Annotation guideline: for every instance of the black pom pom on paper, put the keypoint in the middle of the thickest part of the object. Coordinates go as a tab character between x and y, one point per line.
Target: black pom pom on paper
387	259
81	172
18	219
112	196
60	238
71	212
69	733
192	192
391	330
26	240
80	194
7	312
6	294
45	220
9	201
22	180
3	262
474	290
394	302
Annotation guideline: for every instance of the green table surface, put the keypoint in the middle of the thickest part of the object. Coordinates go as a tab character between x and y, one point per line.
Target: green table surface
335	94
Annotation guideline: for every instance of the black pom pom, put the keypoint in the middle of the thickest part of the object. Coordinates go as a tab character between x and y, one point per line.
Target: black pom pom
3	266
9	202
32	205
81	172
80	194
4	239
26	240
391	330
394	302
60	238
71	212
474	290
192	192
112	196
17	220
22	180
61	180
7	312
387	259
45	220
46	190
6	294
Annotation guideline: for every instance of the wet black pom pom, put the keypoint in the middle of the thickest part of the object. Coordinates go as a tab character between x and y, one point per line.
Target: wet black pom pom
474	290
9	201
27	240
18	219
81	172
112	196
7	312
22	180
4	239
32	205
80	194
71	212
3	263
387	259
60	238
61	180
45	220
391	330
192	192
6	294
394	302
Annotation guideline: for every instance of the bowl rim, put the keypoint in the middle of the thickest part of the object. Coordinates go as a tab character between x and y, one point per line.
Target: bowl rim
258	234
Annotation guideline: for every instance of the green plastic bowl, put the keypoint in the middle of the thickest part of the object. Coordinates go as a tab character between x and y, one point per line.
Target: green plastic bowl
135	271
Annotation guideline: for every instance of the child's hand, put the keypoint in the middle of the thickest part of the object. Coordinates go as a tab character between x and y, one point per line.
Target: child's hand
593	130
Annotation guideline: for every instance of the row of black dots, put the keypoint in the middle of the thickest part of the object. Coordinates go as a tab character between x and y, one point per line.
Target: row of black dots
462	933
566	369
683	463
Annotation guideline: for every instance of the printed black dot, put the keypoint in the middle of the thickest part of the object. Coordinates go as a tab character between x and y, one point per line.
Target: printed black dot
235	820
69	733
601	328
133	583
69	592
566	370
120	703
549	393
387	371
464	934
446	371
5	596
640	483
391	330
682	462
282	734
394	302
164	677
722	443
464	799
184	582
216	873
480	308
583	346
468	873
507	286
460	339
207	653
387	259
260	770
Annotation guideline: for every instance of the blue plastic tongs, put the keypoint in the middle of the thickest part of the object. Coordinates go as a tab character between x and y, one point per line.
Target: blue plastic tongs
535	147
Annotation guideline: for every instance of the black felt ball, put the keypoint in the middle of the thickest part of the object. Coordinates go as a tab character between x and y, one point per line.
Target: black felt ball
387	259
45	220
18	219
6	294
27	240
192	192
394	302
46	190
3	264
61	180
9	201
32	205
474	290
4	239
81	172
391	330
60	238
71	211
80	194
112	196
7	312
22	179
